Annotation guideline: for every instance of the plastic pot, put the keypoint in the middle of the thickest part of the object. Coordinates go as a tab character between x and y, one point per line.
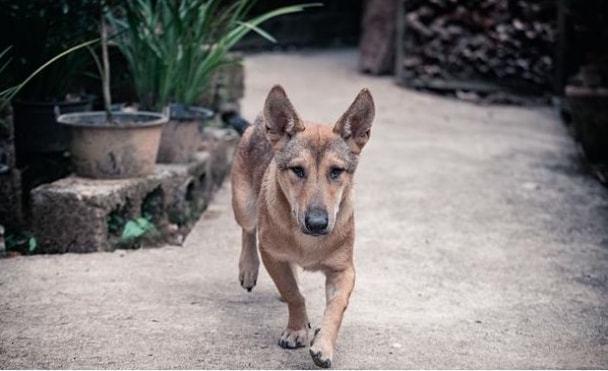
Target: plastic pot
125	148
181	136
36	127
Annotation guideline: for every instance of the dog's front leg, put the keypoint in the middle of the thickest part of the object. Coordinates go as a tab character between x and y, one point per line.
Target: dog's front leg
248	261
338	286
296	333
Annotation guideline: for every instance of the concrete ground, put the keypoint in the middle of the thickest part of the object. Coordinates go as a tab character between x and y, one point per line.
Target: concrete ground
482	243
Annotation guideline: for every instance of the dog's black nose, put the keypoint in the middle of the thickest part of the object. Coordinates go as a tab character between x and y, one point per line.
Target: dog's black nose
316	221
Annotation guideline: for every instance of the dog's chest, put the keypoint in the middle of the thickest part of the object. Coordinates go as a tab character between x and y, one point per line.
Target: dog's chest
311	253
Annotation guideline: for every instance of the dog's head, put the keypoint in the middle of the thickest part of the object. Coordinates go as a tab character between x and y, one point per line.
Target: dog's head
316	163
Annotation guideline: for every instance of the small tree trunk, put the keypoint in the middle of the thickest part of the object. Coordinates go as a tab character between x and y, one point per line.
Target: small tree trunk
105	78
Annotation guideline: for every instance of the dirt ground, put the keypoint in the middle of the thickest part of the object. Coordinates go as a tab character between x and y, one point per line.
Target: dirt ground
482	243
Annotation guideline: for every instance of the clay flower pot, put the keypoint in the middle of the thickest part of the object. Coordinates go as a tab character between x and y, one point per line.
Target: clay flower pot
125	148
181	136
589	108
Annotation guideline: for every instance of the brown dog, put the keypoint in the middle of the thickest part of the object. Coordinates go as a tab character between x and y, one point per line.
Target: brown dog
292	182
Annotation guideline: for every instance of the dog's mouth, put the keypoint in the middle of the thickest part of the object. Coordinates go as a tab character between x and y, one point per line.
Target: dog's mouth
308	232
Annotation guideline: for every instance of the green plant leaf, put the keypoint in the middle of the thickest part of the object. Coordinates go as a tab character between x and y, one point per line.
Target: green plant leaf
259	31
9	93
32	244
136	228
173	47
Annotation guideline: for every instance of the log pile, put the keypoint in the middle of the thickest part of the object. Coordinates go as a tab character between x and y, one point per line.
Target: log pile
502	42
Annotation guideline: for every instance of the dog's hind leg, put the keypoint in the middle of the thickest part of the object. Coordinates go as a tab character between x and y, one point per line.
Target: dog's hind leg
249	262
295	334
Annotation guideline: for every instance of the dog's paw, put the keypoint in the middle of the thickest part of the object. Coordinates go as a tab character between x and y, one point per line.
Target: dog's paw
248	275
321	352
292	339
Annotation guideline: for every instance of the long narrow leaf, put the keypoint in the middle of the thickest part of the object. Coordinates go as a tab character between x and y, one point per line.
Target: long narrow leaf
259	31
20	86
173	47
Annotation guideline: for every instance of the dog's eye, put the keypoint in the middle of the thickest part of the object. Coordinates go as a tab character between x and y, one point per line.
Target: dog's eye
335	173
299	171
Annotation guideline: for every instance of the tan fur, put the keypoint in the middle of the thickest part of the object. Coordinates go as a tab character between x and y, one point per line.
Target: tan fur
273	198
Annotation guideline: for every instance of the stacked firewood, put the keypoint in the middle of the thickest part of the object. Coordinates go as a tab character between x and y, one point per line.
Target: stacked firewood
506	42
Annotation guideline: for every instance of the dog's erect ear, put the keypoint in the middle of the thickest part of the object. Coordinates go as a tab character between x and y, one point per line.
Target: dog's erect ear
355	124
281	120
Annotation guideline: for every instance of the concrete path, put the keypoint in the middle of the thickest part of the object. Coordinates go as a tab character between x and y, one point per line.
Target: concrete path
482	243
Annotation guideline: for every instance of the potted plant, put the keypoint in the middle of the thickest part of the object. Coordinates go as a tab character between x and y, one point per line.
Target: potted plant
113	145
7	93
37	31
173	48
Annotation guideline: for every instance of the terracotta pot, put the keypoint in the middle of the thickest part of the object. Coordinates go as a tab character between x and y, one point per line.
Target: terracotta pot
181	136
589	107
125	148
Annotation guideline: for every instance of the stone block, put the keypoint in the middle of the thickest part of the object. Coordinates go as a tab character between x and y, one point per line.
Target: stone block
77	214
11	210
